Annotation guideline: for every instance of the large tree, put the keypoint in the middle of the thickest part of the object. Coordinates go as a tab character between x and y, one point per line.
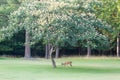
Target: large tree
88	25
108	10
6	7
66	23
23	18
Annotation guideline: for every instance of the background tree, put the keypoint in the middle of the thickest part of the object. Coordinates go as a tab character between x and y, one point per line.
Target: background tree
23	18
88	25
6	7
108	11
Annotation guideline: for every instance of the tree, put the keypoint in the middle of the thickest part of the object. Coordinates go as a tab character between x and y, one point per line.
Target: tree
88	26
23	18
6	7
57	52
108	10
67	24
118	28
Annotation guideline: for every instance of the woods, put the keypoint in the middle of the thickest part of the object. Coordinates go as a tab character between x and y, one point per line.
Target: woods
92	27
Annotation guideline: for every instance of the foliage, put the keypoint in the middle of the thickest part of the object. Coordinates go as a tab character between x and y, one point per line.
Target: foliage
69	23
108	11
59	23
6	7
23	18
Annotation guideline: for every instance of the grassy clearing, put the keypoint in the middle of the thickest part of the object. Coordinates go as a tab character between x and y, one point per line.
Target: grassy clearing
41	69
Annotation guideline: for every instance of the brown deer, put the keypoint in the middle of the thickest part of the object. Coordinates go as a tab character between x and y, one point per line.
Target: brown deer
67	63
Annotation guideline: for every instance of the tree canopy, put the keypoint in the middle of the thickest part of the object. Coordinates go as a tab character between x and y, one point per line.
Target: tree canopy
64	23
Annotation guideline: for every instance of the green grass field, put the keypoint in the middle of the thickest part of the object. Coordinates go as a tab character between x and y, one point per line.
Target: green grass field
41	69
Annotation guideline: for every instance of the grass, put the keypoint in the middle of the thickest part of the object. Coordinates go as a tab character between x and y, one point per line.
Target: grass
41	69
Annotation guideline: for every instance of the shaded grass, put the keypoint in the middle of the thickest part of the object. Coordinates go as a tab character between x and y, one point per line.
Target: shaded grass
41	69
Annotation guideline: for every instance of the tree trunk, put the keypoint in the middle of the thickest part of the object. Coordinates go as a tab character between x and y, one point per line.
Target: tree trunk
118	48
88	51
47	47
27	45
52	57
57	53
46	51
79	51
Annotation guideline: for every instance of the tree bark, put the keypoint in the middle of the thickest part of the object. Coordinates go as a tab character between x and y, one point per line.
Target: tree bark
27	45
79	49
88	51
57	53
47	51
118	48
52	57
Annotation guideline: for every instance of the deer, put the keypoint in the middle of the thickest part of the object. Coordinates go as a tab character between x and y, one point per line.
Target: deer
67	63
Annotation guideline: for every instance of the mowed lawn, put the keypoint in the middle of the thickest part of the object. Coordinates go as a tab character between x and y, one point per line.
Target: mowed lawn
41	69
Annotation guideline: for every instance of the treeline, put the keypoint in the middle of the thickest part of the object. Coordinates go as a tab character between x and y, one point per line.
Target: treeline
67	28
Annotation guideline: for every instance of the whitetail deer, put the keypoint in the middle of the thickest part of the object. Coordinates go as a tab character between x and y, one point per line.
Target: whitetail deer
67	63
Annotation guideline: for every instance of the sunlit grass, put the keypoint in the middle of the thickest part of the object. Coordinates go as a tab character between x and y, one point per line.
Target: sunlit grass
41	69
